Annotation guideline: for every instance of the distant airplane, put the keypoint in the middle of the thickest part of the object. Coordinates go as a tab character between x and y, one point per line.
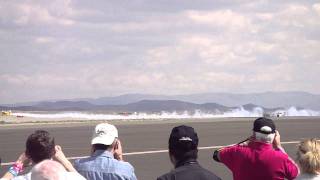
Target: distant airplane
125	113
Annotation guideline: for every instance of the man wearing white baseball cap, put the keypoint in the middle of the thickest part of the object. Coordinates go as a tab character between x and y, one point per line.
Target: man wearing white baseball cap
106	161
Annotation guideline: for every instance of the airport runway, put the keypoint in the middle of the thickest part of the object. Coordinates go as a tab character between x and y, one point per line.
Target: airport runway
153	136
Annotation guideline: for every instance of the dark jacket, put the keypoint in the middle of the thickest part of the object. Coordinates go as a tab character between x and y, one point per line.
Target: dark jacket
189	170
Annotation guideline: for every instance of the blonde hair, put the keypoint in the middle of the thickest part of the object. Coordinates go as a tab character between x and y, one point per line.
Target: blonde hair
308	156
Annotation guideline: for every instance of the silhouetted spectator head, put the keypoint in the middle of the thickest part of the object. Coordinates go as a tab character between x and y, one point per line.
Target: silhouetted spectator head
40	146
48	170
183	143
308	156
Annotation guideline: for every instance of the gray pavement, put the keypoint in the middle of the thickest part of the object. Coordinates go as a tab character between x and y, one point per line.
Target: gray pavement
150	136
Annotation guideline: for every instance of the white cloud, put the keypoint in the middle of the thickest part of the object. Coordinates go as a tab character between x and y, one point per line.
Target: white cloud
295	10
18	79
32	14
91	50
75	48
223	18
225	79
316	8
44	40
264	47
296	16
159	56
265	16
135	26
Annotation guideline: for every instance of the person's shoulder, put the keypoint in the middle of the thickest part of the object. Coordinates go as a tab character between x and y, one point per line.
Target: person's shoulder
280	154
304	176
83	161
74	176
77	162
234	149
212	175
189	173
124	164
23	177
167	176
208	174
124	168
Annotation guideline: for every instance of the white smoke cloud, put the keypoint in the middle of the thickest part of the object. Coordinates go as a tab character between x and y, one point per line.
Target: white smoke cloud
238	112
303	112
241	112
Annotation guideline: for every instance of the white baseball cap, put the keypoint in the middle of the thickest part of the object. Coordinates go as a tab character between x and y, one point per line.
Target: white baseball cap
104	133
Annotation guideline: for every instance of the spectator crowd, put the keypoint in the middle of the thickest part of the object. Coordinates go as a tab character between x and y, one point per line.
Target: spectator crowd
259	157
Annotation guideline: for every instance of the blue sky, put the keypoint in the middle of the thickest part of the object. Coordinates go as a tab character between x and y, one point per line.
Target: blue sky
70	49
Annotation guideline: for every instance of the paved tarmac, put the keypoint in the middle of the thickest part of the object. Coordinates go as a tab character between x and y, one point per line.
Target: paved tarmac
153	136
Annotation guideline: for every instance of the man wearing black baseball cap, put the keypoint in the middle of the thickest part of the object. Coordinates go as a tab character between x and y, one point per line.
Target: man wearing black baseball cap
261	157
183	153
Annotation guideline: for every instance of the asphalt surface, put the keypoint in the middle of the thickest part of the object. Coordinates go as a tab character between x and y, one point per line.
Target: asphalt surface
141	137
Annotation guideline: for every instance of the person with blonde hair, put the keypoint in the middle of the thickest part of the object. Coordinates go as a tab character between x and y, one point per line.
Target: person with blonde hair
308	157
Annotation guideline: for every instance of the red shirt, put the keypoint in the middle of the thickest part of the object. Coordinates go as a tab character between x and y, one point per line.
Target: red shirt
258	161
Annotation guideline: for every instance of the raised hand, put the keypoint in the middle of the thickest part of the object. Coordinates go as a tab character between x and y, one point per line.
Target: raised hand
117	150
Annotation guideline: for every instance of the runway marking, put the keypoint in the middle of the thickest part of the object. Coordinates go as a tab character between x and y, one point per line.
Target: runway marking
154	152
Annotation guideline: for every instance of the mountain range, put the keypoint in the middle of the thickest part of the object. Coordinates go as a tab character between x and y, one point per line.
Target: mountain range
149	106
207	102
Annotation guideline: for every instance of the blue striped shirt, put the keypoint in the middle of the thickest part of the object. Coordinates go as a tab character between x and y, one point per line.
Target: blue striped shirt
102	166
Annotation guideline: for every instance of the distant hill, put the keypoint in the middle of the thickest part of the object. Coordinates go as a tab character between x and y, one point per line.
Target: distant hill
266	99
127	98
251	106
153	106
171	105
205	101
60	105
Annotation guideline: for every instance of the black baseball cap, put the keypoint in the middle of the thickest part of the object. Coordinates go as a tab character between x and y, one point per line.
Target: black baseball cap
264	125
183	137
